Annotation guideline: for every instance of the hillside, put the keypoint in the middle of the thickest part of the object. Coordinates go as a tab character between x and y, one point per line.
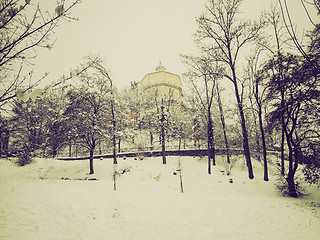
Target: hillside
51	199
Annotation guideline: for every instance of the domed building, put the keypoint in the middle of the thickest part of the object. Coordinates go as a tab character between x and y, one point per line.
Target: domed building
163	84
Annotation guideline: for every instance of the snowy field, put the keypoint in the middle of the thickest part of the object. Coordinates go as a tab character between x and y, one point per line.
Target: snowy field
52	199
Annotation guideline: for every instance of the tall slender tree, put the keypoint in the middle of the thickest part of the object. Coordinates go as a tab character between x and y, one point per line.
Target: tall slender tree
275	43
105	77
223	123
203	74
221	32
258	100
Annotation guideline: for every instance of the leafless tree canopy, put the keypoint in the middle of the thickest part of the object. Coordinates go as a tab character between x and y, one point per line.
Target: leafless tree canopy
24	27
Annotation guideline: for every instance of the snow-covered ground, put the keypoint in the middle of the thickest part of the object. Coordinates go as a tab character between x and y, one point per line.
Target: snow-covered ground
50	200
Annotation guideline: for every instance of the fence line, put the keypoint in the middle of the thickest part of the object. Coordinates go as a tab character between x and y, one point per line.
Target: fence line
198	152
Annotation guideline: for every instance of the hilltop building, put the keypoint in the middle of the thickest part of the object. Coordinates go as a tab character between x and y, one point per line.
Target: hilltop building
163	84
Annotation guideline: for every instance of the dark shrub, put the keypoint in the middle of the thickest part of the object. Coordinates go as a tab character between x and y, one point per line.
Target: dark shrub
311	169
25	156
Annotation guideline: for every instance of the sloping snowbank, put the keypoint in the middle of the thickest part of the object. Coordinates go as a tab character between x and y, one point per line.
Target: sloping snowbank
50	199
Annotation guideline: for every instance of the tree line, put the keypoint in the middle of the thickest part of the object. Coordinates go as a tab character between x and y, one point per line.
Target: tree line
272	80
276	88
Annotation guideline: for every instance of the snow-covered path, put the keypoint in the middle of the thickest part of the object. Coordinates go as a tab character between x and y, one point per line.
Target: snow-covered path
37	204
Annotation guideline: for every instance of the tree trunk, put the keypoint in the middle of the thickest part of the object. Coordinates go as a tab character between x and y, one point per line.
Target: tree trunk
290	177
282	151
292	168
195	130
77	150
282	134
119	144
258	149
70	149
224	129
91	160
163	141
114	150
255	93
163	146
54	152
1	144
211	149
209	163
244	130
4	142
151	139
114	143
264	147
246	144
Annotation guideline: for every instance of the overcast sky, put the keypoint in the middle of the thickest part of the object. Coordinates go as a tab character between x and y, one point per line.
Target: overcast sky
132	36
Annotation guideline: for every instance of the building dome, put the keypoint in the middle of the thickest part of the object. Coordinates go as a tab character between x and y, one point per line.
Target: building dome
164	84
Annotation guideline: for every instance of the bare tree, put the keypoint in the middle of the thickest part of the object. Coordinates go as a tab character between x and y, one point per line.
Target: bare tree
223	123
203	74
220	31
164	118
20	34
280	37
291	28
88	112
257	99
107	79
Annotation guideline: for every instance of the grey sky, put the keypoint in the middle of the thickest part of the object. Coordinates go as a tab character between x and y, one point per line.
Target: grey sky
132	36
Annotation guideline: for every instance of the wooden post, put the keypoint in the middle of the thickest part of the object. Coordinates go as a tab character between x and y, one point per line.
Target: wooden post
114	177
180	170
181	185
114	181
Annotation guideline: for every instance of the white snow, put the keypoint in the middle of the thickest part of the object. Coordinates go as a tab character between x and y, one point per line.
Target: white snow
35	203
